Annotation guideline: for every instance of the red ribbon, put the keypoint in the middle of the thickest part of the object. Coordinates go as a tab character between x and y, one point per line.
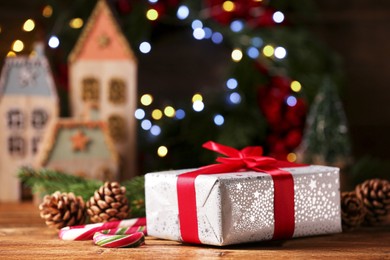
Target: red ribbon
248	159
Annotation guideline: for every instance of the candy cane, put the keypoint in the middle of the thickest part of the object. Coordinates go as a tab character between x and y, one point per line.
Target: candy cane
118	238
86	232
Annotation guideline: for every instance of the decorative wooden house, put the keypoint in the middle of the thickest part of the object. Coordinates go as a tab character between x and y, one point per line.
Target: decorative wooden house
82	148
28	106
103	71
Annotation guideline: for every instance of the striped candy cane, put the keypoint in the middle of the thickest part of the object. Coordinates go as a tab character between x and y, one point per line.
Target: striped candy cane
86	232
119	238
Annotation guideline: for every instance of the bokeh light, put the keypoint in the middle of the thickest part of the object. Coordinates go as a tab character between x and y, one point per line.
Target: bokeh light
231	83
29	25
228	6
169	111
295	86
198	106
76	23
162	151
197	97
54	42
157	114
291	157
236	55
268	51
146	99
219	120
145	47
18	46
182	12
152	14
278	17
139	113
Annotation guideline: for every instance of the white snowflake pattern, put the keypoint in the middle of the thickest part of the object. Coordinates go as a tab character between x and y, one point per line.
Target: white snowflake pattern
27	77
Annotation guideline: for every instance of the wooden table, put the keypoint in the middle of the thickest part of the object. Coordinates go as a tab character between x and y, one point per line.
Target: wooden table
23	235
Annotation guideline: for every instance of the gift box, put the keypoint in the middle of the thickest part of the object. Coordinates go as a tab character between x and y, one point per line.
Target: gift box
243	205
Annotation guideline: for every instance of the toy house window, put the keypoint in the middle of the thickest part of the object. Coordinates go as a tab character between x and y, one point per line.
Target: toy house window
117	127
39	118
15	119
16	145
117	91
35	143
90	90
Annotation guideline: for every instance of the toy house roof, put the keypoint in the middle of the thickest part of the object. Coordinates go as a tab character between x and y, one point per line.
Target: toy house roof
102	38
27	76
73	140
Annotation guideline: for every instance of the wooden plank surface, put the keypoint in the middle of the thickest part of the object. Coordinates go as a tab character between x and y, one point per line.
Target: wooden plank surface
23	235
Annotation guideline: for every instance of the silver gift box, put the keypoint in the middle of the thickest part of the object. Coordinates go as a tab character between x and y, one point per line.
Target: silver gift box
235	208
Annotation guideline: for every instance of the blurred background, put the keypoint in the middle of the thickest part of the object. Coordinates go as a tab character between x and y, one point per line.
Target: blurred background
238	72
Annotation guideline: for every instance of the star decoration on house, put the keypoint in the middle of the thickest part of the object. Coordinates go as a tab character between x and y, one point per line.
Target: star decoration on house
79	141
103	41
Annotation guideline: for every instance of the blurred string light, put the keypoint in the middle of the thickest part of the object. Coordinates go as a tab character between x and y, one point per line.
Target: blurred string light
182	12
157	114
169	111
199	33
257	42
291	101
146	124
253	52
180	114
18	46
237	26
235	98
146	99
219	120
268	51
139	113
11	54
278	17
231	83
29	25
155	130
295	86
152	1
0	29
162	151
228	6
198	106
280	52
145	47
47	11
197	97
152	14
76	23
207	32
217	37
291	157
236	55
54	42
196	24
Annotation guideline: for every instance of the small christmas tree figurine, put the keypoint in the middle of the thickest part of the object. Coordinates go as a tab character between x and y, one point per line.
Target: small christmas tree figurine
326	139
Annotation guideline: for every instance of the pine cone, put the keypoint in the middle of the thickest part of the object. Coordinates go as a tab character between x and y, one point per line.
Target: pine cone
352	210
109	203
375	194
62	209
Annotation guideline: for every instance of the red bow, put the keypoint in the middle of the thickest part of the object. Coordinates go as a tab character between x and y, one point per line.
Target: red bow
249	158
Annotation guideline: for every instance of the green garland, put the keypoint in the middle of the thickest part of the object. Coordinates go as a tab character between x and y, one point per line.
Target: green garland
47	181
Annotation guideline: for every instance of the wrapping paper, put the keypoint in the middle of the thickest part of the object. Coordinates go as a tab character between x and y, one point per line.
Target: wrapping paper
238	207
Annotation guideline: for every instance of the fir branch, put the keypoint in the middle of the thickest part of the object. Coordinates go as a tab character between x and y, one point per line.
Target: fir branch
46	181
135	193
